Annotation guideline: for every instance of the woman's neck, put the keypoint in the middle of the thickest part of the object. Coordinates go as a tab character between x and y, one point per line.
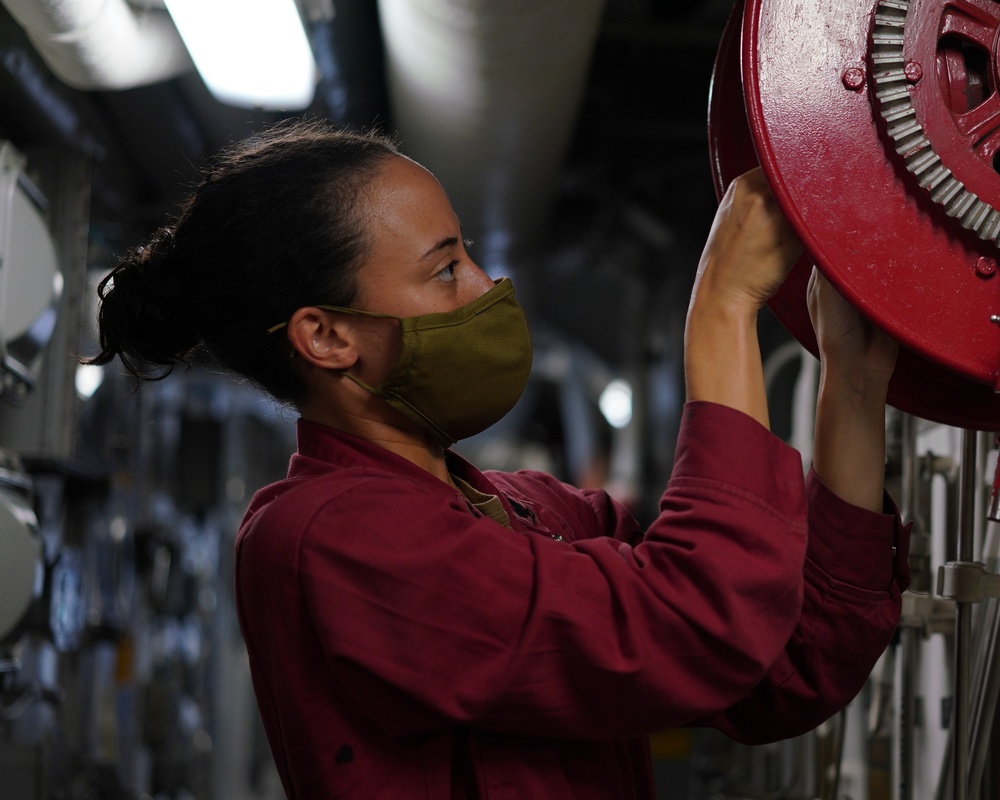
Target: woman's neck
415	447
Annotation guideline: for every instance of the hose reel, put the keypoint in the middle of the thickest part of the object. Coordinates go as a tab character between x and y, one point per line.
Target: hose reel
877	124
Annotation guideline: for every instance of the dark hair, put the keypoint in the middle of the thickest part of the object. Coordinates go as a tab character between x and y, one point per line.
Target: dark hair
274	226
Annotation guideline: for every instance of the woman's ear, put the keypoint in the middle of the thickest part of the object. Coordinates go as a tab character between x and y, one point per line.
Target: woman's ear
322	339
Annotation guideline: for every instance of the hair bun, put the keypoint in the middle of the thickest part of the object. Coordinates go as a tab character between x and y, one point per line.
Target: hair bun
148	313
160	246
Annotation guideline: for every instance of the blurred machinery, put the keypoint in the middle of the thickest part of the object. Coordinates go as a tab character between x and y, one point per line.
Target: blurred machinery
117	636
28	272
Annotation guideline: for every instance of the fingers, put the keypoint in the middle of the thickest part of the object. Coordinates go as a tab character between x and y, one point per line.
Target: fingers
848	342
821	292
751	247
752	197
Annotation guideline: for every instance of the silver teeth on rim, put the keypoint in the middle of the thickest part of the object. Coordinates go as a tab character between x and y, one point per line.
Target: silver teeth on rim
895	106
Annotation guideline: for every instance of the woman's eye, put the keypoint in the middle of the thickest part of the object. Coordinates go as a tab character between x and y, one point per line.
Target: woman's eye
448	273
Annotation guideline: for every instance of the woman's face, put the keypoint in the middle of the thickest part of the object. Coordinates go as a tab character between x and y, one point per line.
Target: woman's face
416	262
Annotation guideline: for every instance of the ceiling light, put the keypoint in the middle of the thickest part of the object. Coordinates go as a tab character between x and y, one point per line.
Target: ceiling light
250	53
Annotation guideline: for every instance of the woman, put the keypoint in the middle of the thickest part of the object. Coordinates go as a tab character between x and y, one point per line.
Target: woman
419	629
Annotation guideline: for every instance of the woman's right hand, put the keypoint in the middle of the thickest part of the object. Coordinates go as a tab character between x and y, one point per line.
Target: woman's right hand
749	252
750	248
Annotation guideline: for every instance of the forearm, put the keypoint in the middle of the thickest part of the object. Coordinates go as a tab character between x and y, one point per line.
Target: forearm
849	454
722	361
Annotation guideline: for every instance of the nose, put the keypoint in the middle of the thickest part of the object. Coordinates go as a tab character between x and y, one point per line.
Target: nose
478	283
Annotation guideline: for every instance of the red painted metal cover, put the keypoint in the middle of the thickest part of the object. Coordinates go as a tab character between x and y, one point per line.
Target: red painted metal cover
878	126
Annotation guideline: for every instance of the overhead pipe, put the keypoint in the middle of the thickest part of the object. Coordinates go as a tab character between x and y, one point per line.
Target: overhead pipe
486	95
102	44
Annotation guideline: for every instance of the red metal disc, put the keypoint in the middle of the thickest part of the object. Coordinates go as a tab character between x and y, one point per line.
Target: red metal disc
877	124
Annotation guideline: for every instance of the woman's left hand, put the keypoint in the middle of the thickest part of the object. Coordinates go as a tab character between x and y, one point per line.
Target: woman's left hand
850	346
857	361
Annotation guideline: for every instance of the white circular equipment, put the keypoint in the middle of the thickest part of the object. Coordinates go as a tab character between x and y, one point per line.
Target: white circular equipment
22	569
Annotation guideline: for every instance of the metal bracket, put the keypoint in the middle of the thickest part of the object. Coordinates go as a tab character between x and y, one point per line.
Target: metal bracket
967	582
927	613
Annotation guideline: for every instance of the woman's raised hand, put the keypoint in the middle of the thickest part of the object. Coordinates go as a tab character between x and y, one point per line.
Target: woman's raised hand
857	361
851	348
750	248
749	252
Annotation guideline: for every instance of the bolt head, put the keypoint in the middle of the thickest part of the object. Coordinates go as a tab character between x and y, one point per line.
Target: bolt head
853	78
985	266
913	71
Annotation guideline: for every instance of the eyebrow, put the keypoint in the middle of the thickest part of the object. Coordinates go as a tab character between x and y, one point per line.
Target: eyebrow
451	241
445	243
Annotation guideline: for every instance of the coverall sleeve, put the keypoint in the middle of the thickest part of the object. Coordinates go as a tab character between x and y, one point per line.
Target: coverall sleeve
855	572
431	616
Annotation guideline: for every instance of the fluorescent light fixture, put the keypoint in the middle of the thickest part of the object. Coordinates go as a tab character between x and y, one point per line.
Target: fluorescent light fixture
616	403
250	53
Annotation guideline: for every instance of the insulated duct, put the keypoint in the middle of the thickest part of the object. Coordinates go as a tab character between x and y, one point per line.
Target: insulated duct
485	95
102	44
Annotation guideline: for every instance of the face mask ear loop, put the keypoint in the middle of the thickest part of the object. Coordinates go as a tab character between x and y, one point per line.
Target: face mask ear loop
342	310
442	438
371	390
359	313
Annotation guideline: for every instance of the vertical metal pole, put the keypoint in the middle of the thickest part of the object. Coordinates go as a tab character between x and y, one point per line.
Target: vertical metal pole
984	689
963	622
984	686
909	637
910	649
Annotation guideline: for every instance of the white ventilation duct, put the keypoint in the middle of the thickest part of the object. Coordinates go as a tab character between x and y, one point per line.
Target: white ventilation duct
102	44
485	95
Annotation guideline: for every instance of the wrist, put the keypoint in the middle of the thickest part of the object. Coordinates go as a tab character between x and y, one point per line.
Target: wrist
853	382
721	305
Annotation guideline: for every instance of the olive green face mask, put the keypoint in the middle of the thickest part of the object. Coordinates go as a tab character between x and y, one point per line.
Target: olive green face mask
458	371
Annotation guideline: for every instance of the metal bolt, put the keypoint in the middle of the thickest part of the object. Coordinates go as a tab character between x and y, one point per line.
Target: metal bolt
853	78
913	71
985	266
995	318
